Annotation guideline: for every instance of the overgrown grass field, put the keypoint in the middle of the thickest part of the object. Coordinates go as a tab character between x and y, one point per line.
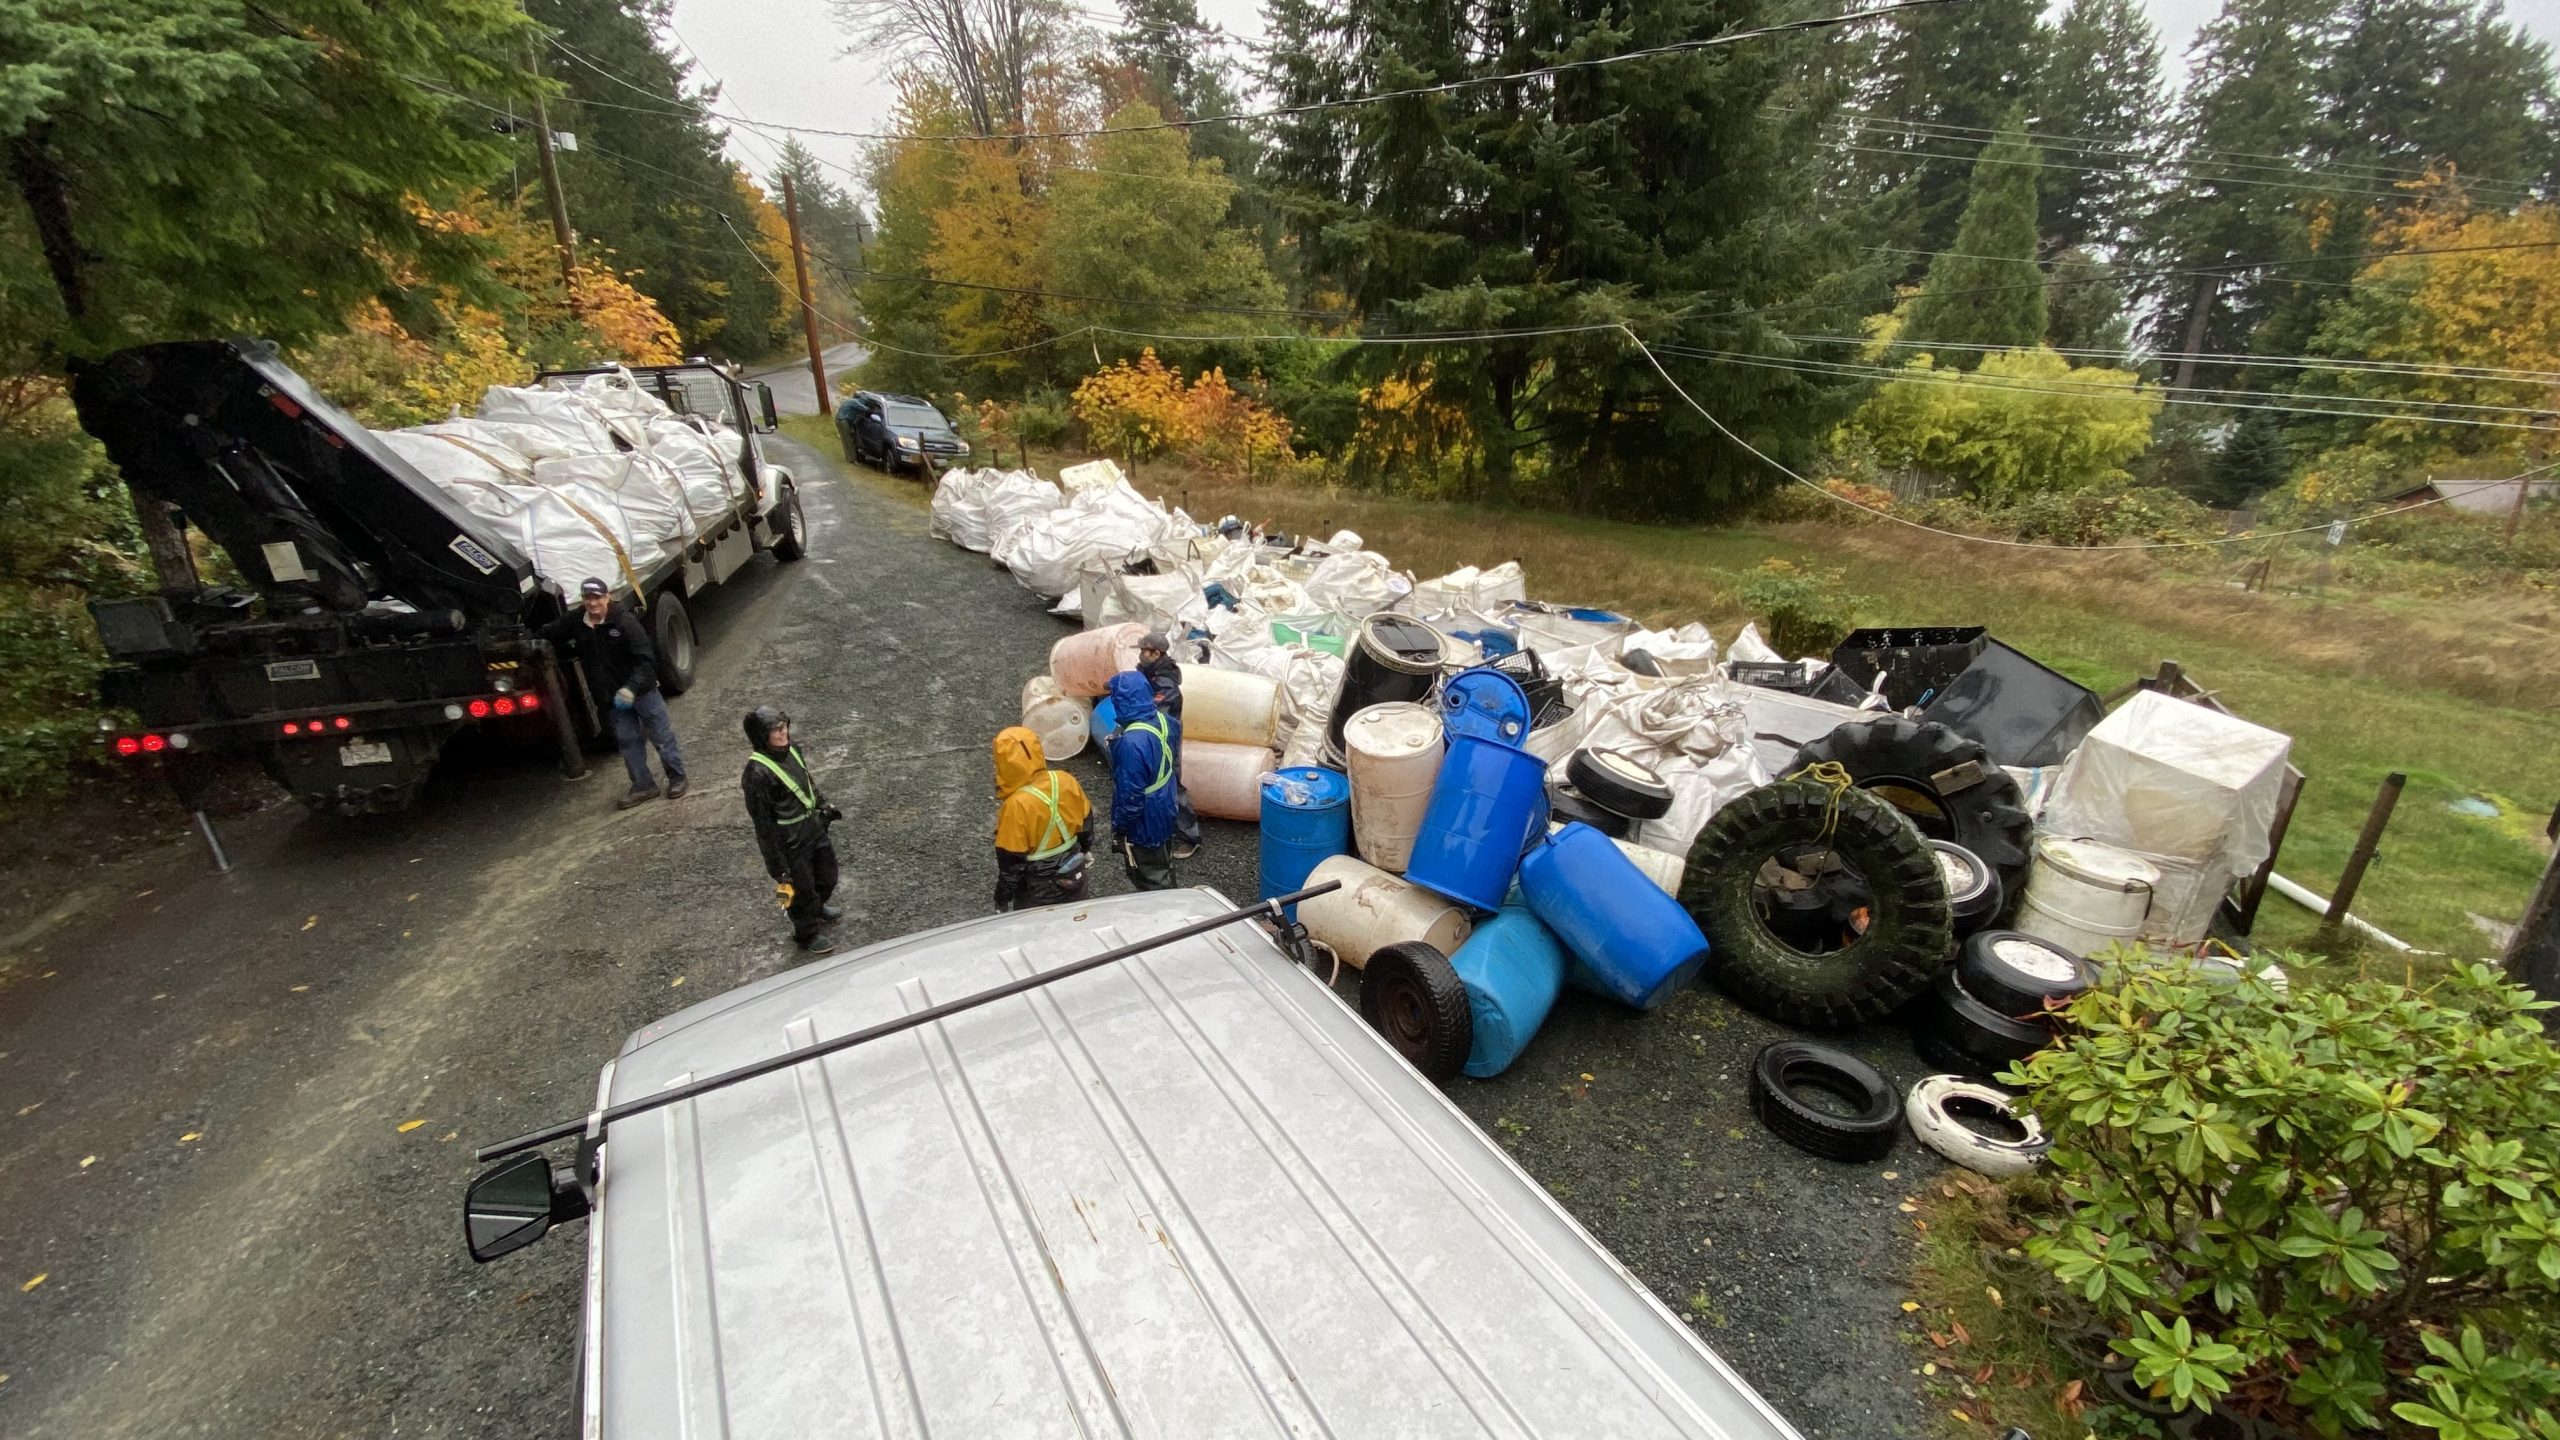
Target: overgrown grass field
2463	696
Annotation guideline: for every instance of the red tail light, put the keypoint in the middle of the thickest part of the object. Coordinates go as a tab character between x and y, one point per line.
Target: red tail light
128	745
342	722
504	706
530	702
155	743
290	728
479	709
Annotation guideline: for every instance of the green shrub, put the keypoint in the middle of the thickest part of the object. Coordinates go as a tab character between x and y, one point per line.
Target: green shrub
66	534
1807	611
2335	1208
1042	418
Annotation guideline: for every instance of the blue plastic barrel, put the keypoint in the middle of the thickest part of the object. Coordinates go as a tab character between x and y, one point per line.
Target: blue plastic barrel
1634	943
1306	820
1488	803
1106	723
1513	968
1487	704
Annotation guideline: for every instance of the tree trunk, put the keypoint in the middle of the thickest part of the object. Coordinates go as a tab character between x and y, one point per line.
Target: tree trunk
1497	446
171	560
47	193
2207	286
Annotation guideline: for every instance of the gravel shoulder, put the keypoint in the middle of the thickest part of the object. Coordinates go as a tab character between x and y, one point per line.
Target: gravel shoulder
207	1082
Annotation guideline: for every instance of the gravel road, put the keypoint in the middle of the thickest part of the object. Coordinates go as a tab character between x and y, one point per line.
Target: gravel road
235	1110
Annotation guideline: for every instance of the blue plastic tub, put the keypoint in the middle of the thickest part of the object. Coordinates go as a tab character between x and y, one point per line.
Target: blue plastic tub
1306	820
1633	943
1513	968
1487	704
1488	803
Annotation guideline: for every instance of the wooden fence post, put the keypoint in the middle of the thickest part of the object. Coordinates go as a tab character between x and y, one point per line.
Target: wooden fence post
2384	801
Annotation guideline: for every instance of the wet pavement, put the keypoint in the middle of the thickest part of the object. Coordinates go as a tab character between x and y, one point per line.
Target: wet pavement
235	1111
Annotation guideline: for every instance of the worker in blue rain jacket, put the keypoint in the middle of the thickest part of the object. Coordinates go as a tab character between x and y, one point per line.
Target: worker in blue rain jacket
1044	826
791	816
1142	784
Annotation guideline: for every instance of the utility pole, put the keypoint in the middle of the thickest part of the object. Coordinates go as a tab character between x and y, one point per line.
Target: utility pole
561	235
808	307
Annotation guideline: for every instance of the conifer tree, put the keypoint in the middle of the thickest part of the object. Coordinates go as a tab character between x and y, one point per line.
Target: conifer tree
1987	290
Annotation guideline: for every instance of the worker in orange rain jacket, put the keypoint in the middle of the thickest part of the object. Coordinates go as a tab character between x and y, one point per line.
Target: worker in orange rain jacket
1044	826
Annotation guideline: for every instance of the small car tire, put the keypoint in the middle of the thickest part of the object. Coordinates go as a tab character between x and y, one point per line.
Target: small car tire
1867	1135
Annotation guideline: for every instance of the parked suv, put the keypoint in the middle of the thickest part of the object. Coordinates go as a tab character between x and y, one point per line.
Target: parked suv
894	430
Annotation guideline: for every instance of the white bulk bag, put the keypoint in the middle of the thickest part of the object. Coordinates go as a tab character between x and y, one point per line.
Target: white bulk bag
1355	584
1696	736
1688	650
2165	777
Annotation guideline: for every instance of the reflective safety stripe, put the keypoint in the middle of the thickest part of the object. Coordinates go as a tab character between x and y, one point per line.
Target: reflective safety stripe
1164	752
1057	823
808	799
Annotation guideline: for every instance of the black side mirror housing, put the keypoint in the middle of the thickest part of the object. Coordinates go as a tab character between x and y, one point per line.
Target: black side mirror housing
516	1202
767	422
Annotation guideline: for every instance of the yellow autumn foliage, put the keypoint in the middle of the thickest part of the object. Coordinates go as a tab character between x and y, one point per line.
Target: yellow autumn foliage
1146	408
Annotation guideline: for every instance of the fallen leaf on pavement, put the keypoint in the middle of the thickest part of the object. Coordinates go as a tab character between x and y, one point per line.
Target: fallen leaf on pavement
1907	1208
30	1285
449	1134
1586	1074
190	1137
31	1109
411	1125
314	920
1961	1417
1910	1305
88	1160
298	989
413	898
1892	1175
675	982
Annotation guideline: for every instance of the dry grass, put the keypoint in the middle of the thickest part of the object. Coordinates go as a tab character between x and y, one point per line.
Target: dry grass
1986	1319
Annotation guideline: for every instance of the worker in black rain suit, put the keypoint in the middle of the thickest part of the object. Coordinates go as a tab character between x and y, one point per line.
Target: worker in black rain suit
613	651
791	816
1164	677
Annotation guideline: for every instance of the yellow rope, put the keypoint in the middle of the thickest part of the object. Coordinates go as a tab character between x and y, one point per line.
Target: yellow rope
1835	775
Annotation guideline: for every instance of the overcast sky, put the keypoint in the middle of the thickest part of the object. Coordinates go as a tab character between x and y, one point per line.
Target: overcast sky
787	62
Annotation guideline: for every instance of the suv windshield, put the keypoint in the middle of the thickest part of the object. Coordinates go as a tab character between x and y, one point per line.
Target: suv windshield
908	416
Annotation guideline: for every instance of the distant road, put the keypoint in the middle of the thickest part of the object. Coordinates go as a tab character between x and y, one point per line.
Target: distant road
793	391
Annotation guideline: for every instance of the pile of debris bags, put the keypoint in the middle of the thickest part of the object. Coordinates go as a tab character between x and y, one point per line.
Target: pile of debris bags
1850	834
599	479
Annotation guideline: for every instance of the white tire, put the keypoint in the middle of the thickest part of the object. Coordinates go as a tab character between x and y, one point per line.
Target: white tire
1983	1154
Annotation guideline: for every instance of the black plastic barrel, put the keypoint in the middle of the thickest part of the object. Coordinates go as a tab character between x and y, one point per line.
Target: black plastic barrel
1395	657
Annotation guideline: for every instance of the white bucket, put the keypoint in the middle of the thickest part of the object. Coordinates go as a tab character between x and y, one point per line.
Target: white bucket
2085	896
1225	781
1063	724
1230	707
1392	753
1374	909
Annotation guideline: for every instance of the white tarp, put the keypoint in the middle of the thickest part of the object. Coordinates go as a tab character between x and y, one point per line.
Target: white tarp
1687	650
1696	734
2165	777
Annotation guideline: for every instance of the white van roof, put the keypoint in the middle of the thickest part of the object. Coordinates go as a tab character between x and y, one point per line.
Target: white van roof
1188	1195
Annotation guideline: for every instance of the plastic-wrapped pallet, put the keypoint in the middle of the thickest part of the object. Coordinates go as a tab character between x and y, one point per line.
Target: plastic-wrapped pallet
2165	777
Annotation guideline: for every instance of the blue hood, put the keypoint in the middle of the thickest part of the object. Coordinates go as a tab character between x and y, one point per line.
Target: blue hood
1132	698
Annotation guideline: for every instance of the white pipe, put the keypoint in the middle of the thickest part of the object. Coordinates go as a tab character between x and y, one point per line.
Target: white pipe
2302	896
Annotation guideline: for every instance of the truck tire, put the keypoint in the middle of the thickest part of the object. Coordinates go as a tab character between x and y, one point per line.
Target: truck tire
1974	893
1943	781
1867	1135
1410	994
671	629
1972	1028
1908	933
790	526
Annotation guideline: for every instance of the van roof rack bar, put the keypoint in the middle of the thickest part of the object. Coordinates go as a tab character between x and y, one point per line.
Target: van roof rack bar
598	1120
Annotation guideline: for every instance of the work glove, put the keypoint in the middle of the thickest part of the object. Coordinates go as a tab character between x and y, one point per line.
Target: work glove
784	894
830	814
622	698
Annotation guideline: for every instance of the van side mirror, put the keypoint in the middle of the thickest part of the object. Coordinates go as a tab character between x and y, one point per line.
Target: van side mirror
515	1203
768	422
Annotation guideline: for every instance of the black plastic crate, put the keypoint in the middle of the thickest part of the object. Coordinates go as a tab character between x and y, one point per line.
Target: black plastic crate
1916	661
1787	675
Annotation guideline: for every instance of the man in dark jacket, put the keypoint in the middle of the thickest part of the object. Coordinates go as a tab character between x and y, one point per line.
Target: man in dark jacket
791	817
1142	784
1164	677
613	652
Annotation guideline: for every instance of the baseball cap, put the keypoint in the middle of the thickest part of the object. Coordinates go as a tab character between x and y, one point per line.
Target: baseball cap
1154	640
593	586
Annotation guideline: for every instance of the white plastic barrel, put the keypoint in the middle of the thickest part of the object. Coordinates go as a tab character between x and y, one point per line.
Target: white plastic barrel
1374	909
2085	896
1225	781
1084	662
1392	753
1231	707
1062	723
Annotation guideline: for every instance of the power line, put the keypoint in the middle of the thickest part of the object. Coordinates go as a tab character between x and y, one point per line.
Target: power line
2498	374
1413	92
